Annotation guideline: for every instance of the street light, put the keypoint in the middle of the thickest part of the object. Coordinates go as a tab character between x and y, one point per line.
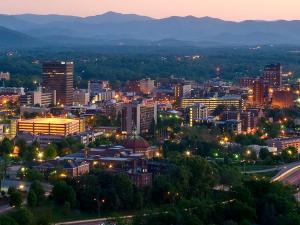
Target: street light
40	155
188	153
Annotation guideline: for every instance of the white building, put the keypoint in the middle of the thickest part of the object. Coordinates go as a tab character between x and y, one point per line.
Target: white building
197	111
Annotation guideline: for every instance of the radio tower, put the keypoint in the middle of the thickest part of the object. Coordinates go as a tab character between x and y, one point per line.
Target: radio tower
218	73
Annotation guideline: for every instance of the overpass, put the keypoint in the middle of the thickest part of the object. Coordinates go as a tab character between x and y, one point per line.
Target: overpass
289	173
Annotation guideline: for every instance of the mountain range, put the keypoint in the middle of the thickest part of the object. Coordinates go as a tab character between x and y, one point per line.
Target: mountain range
28	30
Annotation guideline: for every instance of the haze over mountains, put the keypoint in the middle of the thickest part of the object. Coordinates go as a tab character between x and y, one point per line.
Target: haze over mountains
111	28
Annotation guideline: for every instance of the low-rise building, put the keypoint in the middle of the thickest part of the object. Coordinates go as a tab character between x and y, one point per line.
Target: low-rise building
64	168
212	103
282	143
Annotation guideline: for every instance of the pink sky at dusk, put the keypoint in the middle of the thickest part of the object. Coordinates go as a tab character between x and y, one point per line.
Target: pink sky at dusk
225	9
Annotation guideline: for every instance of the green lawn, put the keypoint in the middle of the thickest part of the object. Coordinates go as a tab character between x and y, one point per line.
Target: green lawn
253	167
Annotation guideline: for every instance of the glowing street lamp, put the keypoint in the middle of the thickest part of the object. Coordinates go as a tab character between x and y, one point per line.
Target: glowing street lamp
40	156
188	153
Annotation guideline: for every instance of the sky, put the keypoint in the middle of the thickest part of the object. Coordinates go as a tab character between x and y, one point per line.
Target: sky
225	9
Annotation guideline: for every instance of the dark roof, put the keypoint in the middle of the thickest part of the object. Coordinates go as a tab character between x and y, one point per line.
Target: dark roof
136	142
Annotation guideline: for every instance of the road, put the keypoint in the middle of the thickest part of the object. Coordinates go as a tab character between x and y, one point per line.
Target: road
93	221
286	171
102	221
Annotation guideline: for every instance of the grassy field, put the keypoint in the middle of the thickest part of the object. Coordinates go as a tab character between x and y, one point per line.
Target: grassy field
254	167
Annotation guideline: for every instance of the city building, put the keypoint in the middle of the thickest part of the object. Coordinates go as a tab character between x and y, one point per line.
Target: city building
38	97
147	86
4	76
50	126
138	116
212	103
272	75
133	86
10	94
233	126
197	111
246	82
283	99
182	91
12	90
81	97
260	92
282	143
104	95
33	110
96	86
231	115
58	76
63	168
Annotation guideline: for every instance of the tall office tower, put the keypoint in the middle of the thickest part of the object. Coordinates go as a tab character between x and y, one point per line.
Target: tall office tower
138	116
58	76
260	92
273	75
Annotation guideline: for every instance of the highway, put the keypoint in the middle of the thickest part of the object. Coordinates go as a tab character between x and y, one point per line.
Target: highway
288	173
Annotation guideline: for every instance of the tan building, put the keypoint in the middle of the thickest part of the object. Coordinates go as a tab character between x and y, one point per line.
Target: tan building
147	86
81	97
283	99
4	76
50	126
138	116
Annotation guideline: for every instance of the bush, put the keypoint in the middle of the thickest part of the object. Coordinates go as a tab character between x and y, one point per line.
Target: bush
23	216
15	199
64	193
67	208
38	190
32	198
6	220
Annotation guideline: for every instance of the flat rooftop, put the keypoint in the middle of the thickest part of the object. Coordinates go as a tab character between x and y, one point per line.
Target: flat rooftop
49	120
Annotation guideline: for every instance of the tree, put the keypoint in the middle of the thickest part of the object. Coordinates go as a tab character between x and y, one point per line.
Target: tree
34	175
38	189
51	151
229	176
219	109
289	154
15	199
31	198
23	216
264	153
7	220
64	193
67	208
6	147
